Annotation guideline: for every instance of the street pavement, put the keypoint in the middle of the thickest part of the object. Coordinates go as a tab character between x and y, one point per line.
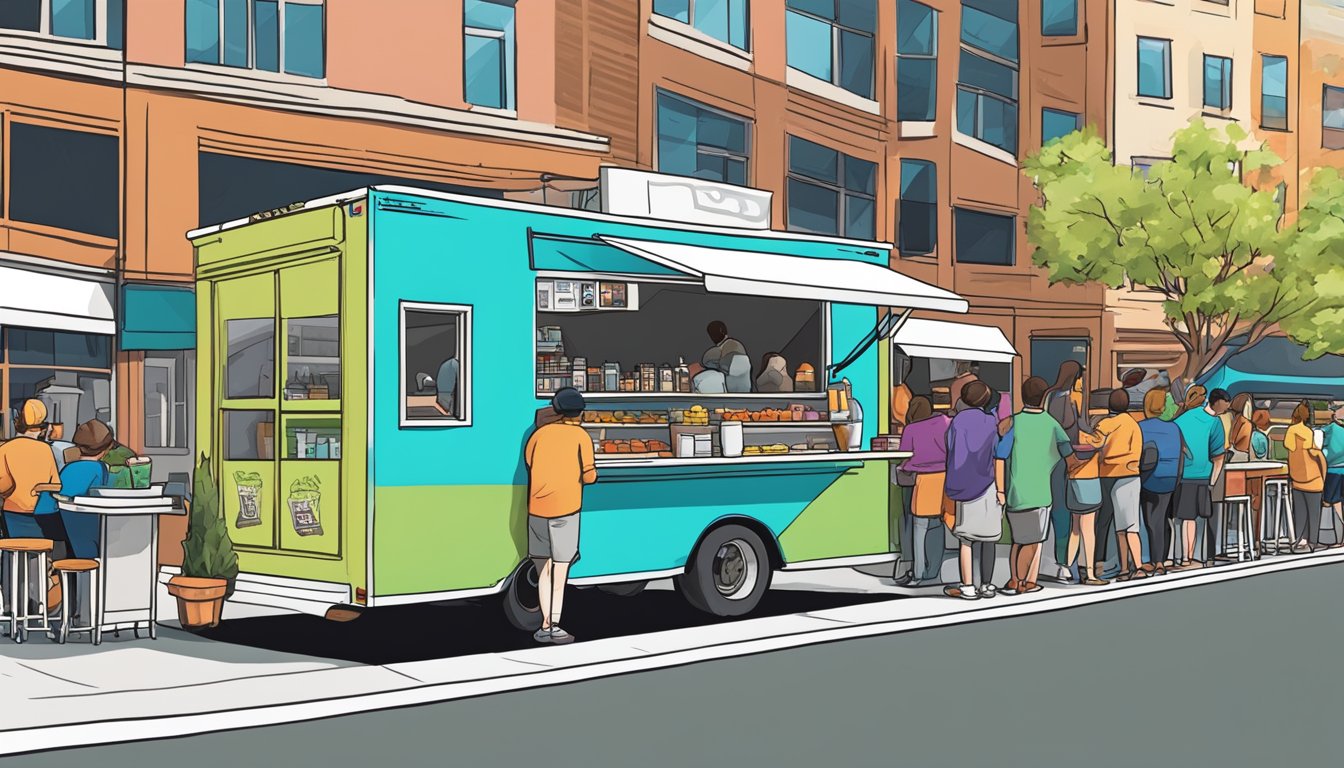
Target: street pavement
1235	673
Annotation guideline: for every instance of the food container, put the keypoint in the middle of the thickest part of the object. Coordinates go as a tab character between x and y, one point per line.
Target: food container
595	380
805	378
842	432
666	381
730	439
685	446
648	377
682	376
611	377
704	446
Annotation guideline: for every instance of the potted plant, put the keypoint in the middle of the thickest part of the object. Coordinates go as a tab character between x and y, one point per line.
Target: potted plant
209	564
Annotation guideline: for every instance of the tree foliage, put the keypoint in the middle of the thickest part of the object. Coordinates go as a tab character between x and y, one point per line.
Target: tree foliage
1193	231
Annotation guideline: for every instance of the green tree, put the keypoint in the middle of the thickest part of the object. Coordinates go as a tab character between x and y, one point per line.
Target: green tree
1195	233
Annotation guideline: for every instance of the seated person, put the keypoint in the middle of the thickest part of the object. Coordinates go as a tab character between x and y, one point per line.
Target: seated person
774	374
719	357
93	441
736	372
709	381
446	386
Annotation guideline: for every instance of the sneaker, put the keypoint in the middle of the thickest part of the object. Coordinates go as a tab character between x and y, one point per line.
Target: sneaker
965	592
542	635
560	636
988	591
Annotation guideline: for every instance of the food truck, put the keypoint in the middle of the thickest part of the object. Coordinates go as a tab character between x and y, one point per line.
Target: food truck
372	364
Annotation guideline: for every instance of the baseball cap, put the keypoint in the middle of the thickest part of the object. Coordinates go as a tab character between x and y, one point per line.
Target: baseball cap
33	414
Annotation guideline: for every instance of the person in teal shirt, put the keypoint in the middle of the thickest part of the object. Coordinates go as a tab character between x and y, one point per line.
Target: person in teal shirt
1333	447
1205	452
1259	437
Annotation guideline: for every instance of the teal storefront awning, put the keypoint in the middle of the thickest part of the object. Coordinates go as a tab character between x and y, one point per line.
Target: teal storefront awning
158	317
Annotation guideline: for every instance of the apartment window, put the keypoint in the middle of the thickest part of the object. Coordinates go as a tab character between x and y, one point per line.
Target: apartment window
435	365
1154	68
918	228
829	192
724	20
1332	118
694	140
98	21
1274	92
984	238
64	179
488	53
1217	82
833	40
1056	123
916	61
269	35
987	78
166	385
1059	18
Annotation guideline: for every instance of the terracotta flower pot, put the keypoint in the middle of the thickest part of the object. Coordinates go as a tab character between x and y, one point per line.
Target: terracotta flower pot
200	602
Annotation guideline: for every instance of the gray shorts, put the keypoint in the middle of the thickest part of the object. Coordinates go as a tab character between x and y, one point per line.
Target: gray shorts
1123	495
553	538
1029	526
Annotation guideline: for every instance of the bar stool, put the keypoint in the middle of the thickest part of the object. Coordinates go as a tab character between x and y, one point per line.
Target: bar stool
72	567
21	555
1276	514
1238	511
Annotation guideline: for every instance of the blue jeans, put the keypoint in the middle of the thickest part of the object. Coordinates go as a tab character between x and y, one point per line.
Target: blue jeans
81	531
929	548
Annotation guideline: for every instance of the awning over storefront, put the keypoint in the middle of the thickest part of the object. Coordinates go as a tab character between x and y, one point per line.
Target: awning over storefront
39	299
158	317
942	340
843	281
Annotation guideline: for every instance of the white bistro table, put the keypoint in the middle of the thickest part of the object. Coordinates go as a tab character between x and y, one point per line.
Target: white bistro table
128	554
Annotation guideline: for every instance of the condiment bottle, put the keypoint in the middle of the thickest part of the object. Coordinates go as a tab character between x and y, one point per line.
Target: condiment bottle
683	376
666	382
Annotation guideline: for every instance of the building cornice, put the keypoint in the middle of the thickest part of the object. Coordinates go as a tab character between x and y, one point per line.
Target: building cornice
48	55
319	99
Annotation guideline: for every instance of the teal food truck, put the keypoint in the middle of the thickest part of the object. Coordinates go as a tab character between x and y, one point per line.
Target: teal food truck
372	364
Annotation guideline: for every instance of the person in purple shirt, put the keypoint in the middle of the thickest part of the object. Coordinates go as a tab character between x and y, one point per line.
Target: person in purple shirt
925	437
973	484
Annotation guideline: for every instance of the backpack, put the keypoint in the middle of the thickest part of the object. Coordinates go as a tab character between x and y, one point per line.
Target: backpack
1149	458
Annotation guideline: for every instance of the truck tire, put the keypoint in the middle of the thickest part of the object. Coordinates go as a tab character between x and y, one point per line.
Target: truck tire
624	589
729	572
522	604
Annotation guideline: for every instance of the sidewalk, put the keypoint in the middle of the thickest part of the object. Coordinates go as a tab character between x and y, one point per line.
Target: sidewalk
127	689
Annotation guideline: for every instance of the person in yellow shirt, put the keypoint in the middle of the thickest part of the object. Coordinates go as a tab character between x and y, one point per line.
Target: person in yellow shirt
1121	443
560	462
26	464
1306	472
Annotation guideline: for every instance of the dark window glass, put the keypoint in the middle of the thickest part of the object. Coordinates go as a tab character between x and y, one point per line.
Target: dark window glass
25	15
990	25
984	238
1332	118
235	33
984	74
64	179
1217	82
694	140
1059	18
203	31
918	207
58	348
1154	68
810	159
266	26
1056	123
249	435
1274	92
237	187
830	192
820	34
813	208
249	371
116	20
916	61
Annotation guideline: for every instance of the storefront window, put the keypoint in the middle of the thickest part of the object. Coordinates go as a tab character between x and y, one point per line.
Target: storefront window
933	377
70	372
435	365
313	360
249	435
250	369
166	386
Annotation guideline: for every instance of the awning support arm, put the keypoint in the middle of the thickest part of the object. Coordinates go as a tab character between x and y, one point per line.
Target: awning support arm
887	325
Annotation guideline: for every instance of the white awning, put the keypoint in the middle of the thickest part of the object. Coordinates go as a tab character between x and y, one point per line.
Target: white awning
752	273
44	300
941	340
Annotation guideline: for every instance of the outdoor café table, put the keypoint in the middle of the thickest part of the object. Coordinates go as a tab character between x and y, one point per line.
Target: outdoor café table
1247	478
128	553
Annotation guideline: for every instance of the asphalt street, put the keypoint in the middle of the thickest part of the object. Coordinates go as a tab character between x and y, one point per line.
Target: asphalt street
1240	673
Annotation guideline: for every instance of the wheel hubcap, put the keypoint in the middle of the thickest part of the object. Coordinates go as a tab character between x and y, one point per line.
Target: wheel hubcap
525	589
735	569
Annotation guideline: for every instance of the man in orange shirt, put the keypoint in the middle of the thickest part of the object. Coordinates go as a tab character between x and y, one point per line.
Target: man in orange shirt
1121	443
560	462
27	462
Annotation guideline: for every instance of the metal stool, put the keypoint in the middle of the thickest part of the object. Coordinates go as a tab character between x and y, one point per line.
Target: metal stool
1276	513
19	554
1238	518
73	567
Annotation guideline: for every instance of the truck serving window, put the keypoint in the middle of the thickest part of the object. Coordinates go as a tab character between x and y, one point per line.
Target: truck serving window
435	365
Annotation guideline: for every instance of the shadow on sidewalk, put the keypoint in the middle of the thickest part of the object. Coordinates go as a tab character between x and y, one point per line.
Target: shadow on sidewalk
419	632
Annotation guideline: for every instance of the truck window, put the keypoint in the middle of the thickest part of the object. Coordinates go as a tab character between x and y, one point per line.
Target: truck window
435	365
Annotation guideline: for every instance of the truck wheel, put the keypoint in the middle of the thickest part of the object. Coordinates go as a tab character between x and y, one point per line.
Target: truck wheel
624	589
522	603
729	572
